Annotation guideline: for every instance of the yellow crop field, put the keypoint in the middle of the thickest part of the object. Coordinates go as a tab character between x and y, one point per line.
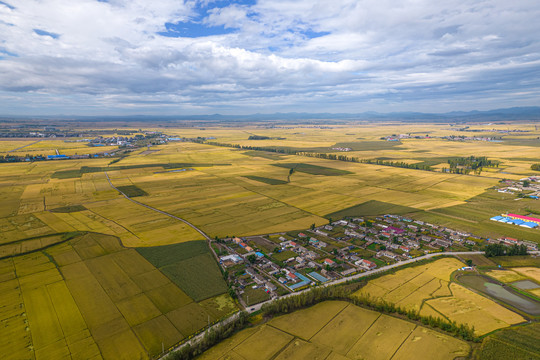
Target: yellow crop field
352	333
530	272
467	307
222	201
411	286
100	298
432	345
307	323
90	297
506	275
427	288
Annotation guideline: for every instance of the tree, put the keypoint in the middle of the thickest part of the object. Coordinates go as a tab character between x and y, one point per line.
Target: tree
291	171
252	258
312	226
469	262
526	183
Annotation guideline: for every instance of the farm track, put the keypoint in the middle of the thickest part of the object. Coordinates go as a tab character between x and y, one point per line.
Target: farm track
208	238
22	147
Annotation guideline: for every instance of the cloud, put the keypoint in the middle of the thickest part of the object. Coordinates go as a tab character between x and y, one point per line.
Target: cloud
245	56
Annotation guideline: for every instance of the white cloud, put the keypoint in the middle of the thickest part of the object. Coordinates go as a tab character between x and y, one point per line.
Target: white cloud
282	53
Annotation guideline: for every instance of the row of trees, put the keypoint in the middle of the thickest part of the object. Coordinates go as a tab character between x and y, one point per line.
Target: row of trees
290	151
503	250
16	158
535	167
316	295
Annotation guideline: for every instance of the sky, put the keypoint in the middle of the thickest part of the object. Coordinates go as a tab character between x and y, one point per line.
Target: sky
174	57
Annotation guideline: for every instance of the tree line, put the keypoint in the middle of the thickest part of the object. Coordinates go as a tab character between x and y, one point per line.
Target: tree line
290	151
316	295
503	250
464	165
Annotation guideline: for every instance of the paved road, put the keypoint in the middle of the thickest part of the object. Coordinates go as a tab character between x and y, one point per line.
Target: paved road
371	272
257	307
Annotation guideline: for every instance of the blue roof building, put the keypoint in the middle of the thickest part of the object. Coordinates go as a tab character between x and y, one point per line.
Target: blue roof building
318	277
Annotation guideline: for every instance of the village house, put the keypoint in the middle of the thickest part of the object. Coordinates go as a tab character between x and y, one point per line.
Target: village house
387	254
329	262
441	242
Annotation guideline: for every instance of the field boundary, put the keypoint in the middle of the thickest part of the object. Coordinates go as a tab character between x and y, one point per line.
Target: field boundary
208	238
79	233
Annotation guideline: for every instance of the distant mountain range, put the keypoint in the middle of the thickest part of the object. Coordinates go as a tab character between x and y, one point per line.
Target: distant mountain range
498	115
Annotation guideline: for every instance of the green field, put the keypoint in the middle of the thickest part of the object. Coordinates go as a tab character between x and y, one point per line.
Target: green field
191	266
372	207
268	181
516	344
314	169
132	190
68	209
77	173
368	145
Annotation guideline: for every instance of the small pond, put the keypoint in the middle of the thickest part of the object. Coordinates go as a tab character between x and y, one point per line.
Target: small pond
502	293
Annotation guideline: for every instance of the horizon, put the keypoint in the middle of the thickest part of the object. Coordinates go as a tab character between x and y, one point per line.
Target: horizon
527	112
243	57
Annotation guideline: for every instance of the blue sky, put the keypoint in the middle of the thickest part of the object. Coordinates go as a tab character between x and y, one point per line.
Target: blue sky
90	57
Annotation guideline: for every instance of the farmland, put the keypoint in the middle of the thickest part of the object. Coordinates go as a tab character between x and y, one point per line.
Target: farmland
88	273
229	191
516	343
90	298
428	289
337	330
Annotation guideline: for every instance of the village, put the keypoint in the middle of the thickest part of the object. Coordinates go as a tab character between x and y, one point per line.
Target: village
267	266
525	187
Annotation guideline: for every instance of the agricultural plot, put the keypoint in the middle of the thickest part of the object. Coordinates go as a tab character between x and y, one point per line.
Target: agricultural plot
91	298
505	275
228	193
515	343
191	266
337	330
427	288
33	244
265	180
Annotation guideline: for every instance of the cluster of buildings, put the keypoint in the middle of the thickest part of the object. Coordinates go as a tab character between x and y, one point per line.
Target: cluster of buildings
508	241
111	141
526	187
470	138
449	137
284	263
520	220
